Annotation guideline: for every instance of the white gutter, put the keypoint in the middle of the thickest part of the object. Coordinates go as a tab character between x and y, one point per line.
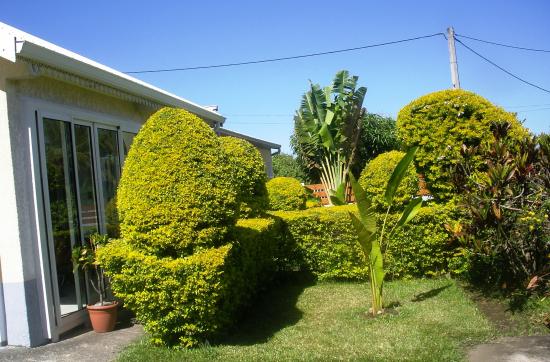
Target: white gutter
35	49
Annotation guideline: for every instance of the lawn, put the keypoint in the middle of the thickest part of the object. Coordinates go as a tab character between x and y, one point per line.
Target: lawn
431	320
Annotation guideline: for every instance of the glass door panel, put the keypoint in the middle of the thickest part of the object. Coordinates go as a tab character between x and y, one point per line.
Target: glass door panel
63	210
109	163
86	180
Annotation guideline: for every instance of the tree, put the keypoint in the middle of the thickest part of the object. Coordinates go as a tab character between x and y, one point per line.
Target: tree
327	127
378	135
285	165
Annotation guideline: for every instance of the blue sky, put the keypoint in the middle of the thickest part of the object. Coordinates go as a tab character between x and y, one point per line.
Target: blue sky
260	100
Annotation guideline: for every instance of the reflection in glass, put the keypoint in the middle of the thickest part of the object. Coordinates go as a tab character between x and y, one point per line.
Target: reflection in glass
86	181
127	139
63	209
109	161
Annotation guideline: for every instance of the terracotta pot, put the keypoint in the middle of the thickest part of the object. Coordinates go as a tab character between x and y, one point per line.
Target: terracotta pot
103	317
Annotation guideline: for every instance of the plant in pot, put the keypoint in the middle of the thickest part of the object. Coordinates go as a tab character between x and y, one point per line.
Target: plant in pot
103	314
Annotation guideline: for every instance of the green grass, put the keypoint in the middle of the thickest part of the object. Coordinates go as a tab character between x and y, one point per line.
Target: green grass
300	320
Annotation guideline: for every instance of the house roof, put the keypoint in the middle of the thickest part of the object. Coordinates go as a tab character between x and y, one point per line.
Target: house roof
254	141
14	42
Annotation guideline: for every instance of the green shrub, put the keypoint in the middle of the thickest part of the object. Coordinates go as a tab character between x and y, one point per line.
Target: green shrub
174	194
375	177
323	241
287	166
248	175
422	247
286	193
440	123
184	301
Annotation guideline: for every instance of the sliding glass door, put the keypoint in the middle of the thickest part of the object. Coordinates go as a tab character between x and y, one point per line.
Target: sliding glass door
81	167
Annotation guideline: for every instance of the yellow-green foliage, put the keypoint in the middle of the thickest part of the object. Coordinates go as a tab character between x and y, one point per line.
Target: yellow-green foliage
174	194
184	301
423	247
375	176
286	193
323	241
248	174
177	300
440	123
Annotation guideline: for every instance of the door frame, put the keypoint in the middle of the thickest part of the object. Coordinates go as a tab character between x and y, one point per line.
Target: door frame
39	109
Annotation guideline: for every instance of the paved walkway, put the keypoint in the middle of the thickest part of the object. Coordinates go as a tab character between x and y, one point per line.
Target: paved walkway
513	349
83	345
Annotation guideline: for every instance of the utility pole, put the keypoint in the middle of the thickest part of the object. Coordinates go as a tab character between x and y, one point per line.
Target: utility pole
452	58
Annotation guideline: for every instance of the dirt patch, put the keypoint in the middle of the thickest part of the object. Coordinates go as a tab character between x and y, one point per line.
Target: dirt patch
495	311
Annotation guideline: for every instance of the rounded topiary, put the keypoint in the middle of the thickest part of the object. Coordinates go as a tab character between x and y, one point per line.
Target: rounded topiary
375	176
175	194
440	123
286	194
248	175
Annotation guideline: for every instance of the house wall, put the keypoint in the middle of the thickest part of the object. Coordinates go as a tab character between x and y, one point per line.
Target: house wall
24	309
18	257
268	162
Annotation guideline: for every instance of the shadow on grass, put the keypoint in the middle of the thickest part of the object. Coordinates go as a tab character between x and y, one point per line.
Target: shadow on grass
429	294
271	312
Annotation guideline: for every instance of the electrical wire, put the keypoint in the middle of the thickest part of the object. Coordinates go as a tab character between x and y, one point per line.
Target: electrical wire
502	45
284	58
501	68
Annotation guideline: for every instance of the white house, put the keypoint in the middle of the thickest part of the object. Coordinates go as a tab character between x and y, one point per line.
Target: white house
66	123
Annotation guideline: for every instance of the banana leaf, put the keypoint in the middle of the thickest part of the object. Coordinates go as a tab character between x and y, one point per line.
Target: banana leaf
398	174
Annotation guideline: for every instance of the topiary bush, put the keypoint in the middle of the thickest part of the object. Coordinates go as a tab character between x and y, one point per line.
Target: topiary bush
248	174
375	177
440	123
286	193
185	301
174	195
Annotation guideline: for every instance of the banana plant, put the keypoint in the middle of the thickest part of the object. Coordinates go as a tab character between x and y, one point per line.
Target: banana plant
327	127
373	240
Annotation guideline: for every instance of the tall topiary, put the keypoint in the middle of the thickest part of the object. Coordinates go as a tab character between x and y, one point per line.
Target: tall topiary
375	177
286	194
248	175
174	195
440	123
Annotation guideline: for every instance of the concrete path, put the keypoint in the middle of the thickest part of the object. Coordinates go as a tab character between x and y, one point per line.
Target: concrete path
513	349
83	345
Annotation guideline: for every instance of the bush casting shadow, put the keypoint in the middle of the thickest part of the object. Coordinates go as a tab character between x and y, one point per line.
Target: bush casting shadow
429	294
272	311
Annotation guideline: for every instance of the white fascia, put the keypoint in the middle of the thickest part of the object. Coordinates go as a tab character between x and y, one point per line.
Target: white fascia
32	48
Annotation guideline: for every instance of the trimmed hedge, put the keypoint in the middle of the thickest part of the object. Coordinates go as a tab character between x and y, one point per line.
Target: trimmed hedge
440	123
184	301
375	177
248	173
286	194
323	241
174	195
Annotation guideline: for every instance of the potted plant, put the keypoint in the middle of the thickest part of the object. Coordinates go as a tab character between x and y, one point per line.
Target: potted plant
103	314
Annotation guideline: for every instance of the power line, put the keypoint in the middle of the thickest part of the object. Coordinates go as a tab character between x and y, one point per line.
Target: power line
532	110
504	45
284	58
501	68
528	105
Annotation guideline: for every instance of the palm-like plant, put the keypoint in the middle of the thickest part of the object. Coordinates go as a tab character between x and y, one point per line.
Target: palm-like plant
373	240
327	128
